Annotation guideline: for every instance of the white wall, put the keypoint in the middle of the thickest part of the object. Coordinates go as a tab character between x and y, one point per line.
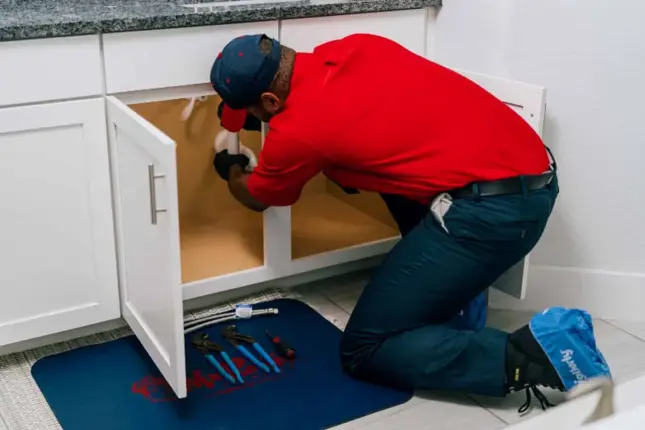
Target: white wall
590	55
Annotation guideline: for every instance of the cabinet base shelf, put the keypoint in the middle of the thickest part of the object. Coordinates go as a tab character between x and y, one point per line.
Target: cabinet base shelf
231	244
322	223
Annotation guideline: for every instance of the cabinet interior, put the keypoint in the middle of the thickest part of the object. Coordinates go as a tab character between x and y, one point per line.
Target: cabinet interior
328	219
217	234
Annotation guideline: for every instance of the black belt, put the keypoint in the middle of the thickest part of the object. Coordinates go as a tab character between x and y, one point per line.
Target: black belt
515	185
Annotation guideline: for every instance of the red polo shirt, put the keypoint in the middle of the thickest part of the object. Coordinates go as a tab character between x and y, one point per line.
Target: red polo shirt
374	116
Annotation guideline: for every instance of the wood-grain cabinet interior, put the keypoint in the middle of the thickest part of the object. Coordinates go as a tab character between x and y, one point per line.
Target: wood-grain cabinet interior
218	235
325	219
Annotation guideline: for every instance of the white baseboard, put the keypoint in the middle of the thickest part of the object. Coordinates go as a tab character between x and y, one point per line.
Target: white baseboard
603	294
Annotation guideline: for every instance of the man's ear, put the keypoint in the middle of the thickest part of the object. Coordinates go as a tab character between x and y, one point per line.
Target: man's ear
271	103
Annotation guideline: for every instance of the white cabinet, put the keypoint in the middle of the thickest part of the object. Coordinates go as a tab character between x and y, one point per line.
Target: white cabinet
144	60
50	69
57	254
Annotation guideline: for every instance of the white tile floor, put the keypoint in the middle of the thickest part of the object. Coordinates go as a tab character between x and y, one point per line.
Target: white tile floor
622	343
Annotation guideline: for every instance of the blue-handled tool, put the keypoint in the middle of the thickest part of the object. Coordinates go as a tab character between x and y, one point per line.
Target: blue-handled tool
232	366
266	356
206	347
230	334
245	352
219	368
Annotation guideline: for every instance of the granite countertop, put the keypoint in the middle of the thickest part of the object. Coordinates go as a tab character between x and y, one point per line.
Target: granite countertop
30	19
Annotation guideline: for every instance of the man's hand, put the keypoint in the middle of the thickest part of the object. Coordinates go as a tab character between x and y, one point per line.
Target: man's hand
224	161
239	188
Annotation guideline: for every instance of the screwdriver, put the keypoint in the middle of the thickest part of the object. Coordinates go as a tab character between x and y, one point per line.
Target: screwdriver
283	349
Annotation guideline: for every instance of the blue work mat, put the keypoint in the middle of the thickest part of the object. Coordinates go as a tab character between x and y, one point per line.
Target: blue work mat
116	386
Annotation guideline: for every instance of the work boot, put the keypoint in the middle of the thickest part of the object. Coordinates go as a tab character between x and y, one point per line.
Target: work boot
527	367
557	349
528	364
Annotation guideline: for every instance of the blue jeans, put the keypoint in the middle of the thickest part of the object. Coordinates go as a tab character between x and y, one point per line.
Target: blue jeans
400	333
408	214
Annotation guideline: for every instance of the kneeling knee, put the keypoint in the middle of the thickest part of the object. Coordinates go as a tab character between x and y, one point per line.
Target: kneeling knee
354	353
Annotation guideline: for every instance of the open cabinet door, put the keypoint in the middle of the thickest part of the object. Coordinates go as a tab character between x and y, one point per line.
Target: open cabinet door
529	102
145	177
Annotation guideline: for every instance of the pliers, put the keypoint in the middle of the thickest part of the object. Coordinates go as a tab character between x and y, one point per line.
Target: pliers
235	338
206	347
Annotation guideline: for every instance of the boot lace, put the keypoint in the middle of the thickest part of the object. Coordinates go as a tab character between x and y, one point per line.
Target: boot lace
544	402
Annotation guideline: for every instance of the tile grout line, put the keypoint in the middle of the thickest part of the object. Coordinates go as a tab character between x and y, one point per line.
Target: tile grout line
488	410
332	301
336	304
624	331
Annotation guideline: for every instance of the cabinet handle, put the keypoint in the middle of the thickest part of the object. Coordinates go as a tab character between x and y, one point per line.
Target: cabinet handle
153	193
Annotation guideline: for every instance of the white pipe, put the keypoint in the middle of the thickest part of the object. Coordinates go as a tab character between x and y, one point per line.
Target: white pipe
233	143
190	107
223	141
214	320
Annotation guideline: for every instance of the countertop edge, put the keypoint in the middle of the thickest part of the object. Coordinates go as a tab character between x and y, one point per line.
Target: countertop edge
183	20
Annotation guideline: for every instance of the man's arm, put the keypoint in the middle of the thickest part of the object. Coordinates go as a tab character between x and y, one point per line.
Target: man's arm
283	168
238	184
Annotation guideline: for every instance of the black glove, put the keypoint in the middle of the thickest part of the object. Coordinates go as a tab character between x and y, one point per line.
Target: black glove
251	123
224	161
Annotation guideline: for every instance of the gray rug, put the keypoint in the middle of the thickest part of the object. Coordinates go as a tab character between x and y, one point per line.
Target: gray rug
23	407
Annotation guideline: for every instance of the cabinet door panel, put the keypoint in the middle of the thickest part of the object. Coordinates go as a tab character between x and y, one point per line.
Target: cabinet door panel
57	253
145	180
529	102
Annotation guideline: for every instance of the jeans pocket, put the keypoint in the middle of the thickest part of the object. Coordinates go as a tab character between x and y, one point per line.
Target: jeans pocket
483	221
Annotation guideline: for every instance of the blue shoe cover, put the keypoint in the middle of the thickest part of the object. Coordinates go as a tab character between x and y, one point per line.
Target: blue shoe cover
473	317
566	337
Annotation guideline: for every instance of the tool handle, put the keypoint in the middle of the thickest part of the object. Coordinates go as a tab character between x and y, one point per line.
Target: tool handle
245	352
220	369
266	356
282	347
285	350
232	366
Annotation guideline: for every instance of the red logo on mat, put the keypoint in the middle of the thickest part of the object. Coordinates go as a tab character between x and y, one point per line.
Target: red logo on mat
156	389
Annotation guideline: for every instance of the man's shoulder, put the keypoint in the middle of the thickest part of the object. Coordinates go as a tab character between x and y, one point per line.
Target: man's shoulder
354	40
299	122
